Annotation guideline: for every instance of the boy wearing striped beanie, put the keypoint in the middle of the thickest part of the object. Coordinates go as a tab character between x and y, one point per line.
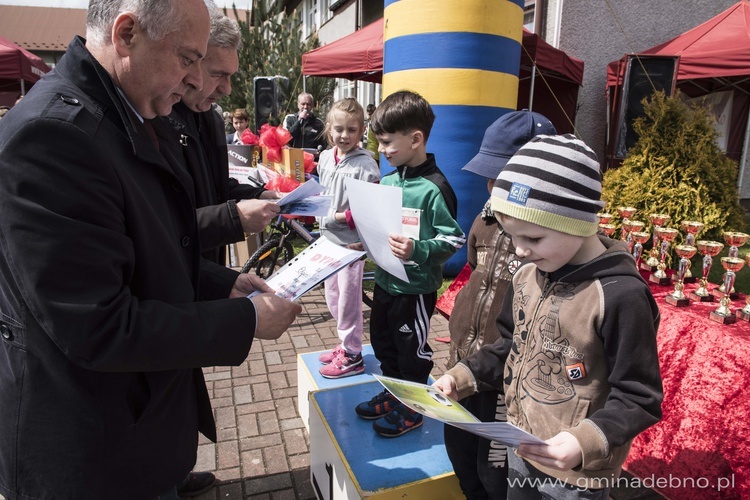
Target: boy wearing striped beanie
577	353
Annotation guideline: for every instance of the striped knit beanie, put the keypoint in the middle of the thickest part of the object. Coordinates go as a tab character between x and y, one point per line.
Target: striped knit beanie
553	181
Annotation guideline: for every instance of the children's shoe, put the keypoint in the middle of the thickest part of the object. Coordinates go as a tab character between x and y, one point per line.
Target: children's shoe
329	356
343	365
382	404
400	421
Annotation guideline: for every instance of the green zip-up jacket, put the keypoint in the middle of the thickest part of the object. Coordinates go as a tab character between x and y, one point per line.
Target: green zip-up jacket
430	213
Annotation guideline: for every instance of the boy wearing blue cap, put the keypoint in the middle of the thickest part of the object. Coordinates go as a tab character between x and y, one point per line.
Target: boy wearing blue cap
481	465
577	354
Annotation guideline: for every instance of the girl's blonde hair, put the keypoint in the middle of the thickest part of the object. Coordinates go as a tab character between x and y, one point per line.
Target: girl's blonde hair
348	106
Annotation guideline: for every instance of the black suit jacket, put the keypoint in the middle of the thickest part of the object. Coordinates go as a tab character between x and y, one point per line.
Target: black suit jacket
102	334
199	141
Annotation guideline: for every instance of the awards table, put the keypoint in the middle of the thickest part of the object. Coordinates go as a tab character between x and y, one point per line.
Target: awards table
701	447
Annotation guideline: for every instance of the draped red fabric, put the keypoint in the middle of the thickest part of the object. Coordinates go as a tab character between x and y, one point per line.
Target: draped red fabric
444	304
703	440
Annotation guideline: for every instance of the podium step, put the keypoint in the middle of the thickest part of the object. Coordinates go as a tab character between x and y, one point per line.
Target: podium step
348	460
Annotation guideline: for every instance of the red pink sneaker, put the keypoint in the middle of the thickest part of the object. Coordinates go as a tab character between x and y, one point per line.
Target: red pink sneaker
343	365
329	356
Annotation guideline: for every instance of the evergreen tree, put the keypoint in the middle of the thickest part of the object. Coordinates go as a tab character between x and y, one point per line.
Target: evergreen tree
272	45
676	167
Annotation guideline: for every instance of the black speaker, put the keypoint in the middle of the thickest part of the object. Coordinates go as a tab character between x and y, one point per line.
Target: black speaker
268	92
643	76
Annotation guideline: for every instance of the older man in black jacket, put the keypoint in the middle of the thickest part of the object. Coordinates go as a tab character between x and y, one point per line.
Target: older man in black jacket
226	209
102	335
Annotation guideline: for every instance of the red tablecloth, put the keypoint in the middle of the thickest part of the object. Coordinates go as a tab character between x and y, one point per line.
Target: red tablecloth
703	440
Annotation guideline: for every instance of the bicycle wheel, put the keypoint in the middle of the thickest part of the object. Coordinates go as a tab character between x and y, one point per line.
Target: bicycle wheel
261	252
273	258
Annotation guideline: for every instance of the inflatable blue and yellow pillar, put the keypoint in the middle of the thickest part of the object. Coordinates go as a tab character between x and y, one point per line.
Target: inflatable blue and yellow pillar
463	56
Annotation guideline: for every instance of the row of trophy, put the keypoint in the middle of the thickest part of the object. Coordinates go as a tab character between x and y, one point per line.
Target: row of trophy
655	262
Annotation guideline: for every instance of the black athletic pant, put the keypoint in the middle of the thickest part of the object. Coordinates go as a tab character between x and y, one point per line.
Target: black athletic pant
399	326
481	466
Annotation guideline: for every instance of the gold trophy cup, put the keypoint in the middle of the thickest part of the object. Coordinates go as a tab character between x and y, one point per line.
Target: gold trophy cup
724	314
607	229
632	226
665	235
640	238
625	213
604	217
677	298
744	313
657	220
735	240
691	229
709	250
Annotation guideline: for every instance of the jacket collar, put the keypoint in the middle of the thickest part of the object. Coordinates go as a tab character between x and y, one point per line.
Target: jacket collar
426	168
82	69
615	261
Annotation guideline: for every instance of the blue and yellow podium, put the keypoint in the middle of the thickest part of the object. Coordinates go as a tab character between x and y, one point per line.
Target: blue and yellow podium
348	460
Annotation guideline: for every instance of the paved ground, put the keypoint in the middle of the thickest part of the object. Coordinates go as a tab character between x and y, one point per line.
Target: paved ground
263	447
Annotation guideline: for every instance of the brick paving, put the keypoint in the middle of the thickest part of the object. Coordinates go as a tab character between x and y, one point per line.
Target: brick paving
263	449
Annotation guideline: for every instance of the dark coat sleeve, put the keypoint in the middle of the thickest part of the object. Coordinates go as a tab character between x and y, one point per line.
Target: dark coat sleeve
488	363
634	401
216	281
219	225
237	191
100	245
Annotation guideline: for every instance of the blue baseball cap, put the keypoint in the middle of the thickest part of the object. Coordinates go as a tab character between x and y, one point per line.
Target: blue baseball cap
504	137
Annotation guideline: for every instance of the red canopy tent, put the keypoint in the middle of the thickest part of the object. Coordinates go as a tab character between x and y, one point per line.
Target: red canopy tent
19	70
359	56
713	57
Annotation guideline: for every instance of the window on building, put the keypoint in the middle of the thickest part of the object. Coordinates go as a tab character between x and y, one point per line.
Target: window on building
529	10
325	11
312	17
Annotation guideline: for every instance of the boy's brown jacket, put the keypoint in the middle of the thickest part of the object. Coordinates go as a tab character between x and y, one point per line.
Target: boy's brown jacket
492	258
581	358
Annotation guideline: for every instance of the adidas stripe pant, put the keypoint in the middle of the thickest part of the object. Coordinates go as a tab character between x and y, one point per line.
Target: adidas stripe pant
399	327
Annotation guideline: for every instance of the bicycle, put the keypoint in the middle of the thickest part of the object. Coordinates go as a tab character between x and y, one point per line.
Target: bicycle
277	250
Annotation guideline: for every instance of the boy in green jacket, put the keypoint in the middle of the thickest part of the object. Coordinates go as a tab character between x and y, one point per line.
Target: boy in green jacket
401	311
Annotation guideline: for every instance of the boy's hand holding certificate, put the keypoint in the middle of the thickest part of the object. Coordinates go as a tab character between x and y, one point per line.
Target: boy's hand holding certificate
432	403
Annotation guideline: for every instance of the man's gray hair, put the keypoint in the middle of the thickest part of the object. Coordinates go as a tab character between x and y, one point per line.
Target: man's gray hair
157	17
225	32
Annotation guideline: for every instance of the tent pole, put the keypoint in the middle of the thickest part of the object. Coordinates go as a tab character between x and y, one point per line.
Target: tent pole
23	87
743	159
531	88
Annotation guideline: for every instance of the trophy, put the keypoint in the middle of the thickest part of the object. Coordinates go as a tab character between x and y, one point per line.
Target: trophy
630	226
665	235
724	314
677	298
709	250
607	229
604	217
744	313
640	238
735	240
657	220
691	229
625	213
